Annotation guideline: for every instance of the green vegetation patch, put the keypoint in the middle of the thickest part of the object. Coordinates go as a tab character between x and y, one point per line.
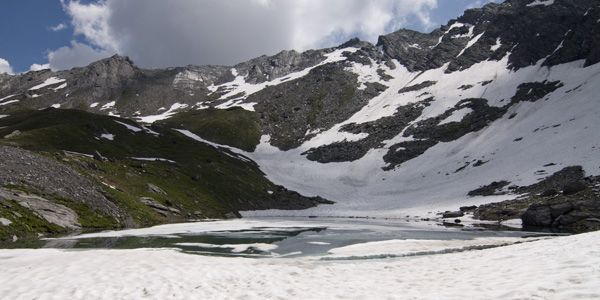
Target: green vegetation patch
234	127
200	181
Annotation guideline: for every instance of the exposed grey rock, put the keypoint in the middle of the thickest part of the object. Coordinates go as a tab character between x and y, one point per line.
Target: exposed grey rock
326	96
570	213
231	215
453	214
574	211
573	187
468	208
378	131
493	188
5	221
533	91
12	134
155	189
537	215
98	156
267	68
47	209
526	33
417	87
22	167
153	203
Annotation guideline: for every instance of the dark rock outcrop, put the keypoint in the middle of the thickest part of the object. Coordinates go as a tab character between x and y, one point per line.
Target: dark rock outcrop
574	214
563	32
565	200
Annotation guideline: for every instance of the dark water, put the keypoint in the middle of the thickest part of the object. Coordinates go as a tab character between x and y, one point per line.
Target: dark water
269	237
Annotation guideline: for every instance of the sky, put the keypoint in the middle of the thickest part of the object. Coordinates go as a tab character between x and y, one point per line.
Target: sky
62	34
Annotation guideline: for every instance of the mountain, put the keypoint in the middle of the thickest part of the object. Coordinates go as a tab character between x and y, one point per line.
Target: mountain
499	103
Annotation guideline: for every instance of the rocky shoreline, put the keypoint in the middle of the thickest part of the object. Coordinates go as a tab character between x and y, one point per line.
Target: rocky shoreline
565	201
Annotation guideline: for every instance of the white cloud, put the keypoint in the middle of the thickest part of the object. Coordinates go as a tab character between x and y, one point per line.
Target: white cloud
5	67
76	55
156	33
319	23
38	67
91	21
59	27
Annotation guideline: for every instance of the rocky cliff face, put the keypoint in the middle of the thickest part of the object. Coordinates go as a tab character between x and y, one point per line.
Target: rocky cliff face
526	31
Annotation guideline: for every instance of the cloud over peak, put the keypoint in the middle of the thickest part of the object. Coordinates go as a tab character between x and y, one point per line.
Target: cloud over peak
5	67
156	33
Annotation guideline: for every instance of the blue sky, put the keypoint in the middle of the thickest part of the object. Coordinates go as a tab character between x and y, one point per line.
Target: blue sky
155	33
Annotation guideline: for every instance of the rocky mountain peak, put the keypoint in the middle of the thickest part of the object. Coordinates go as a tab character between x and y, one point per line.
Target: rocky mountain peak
558	30
266	68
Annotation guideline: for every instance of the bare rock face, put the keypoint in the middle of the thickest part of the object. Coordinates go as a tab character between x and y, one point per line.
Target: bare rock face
579	214
21	167
50	211
562	32
267	68
155	189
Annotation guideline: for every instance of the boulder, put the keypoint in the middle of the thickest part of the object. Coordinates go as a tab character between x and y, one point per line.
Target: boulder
570	214
98	156
468	208
573	187
155	189
537	215
153	204
50	211
453	214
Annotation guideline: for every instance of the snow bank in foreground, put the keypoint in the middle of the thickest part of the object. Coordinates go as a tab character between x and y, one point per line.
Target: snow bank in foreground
558	268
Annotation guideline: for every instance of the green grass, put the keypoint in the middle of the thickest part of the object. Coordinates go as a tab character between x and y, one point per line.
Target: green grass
234	127
203	178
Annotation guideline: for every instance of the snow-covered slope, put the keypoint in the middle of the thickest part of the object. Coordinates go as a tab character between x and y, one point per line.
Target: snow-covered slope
530	141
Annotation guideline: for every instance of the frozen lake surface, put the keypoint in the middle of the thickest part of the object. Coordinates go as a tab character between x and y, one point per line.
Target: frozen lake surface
297	237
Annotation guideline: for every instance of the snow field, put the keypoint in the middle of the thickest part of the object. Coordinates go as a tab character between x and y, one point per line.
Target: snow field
534	270
547	135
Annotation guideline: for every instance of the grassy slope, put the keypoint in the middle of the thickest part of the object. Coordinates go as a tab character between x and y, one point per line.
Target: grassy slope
203	180
234	127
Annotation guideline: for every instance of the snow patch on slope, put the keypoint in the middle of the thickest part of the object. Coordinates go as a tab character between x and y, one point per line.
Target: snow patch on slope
9	102
47	82
130	127
456	116
471	43
541	2
7	97
107	136
165	115
238	89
